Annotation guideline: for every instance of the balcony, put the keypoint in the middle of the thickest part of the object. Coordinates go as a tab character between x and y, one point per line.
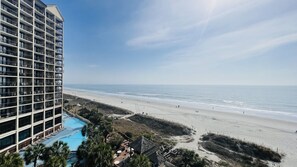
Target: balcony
39	91
50	24
39	34
26	28
25	93
40	26
39	42
38	106
25	46
58	96
26	10
8	73
27	19
39	99
9	31
9	103
59	63
25	83
60	25
39	82
40	9
9	20
38	74
8	62
59	76
28	2
14	2
58	102
8	94
25	109
49	97
59	38
25	74
39	18
49	104
49	90
49	83
9	10
26	54
60	51
8	83
58	56
9	41
58	83
26	37
24	101
8	113
39	67
48	75
26	65
39	58
40	51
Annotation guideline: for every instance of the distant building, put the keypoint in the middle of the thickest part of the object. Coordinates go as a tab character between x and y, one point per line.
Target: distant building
31	72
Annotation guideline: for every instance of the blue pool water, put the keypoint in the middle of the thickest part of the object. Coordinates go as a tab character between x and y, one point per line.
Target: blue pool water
74	140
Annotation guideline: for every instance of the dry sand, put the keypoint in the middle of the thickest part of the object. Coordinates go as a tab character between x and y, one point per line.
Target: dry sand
279	135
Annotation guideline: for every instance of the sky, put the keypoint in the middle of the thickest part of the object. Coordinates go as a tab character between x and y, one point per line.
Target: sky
220	42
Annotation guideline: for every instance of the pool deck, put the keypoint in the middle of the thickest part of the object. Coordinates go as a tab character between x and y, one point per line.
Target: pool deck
72	125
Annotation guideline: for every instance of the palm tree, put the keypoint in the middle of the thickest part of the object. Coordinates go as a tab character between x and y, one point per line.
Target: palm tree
11	160
33	153
139	161
59	151
56	161
100	155
95	154
191	159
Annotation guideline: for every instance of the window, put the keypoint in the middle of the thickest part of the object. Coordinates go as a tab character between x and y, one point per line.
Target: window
7	141
49	124
58	120
7	126
38	117
38	128
24	121
24	134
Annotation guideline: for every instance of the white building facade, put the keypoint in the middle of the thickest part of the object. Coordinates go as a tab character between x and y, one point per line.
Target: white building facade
31	72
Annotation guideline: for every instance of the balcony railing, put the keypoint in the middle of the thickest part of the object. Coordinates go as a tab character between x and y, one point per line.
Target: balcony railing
9	10
26	83
8	83
39	9
26	10
38	91
24	74
25	92
26	65
8	41
39	83
26	19
28	56
25	110
29	2
38	99
10	21
7	113
8	73
8	62
26	28
3	94
14	2
25	101
9	31
8	104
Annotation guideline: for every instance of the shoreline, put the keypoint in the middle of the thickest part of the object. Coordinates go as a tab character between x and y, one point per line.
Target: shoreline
275	134
253	112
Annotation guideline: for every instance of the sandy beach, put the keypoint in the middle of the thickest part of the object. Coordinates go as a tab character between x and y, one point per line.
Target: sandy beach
278	135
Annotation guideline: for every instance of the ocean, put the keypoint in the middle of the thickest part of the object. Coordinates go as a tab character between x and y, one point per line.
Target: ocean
276	102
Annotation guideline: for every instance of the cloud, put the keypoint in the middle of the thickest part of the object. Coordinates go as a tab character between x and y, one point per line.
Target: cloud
171	22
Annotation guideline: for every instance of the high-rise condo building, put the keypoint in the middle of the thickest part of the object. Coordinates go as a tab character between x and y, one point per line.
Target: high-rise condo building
31	72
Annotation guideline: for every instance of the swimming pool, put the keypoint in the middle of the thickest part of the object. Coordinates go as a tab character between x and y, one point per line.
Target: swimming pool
71	134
